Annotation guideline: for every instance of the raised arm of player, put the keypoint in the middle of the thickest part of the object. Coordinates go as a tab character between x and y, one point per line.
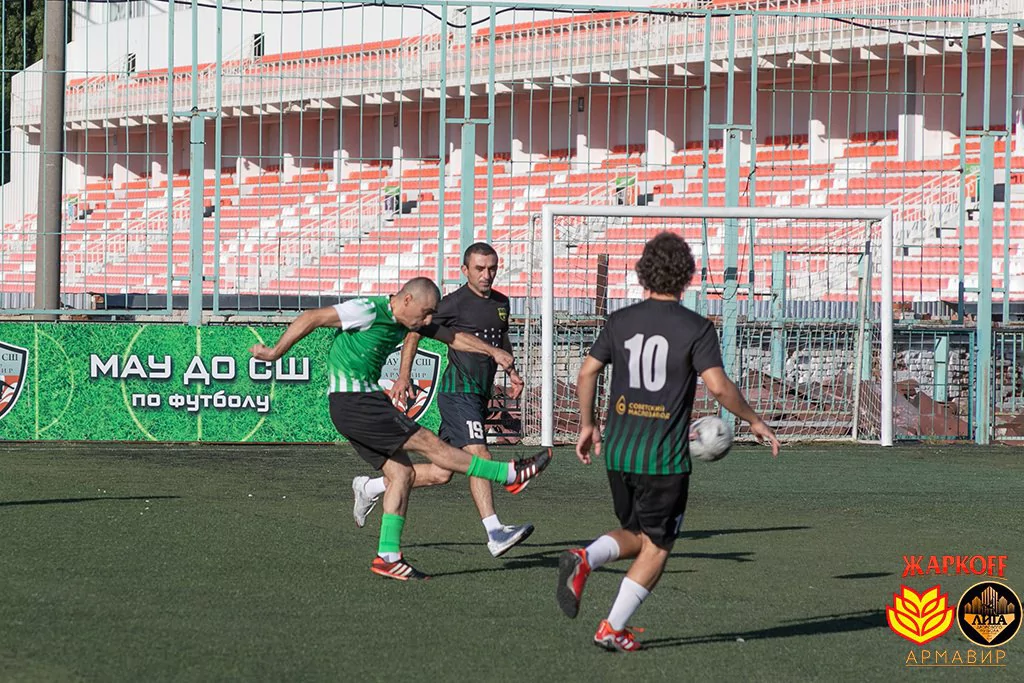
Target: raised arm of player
300	327
586	388
402	389
728	394
351	315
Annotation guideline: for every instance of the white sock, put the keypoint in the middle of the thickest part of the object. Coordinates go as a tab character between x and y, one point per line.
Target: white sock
511	472
491	524
631	594
602	551
390	557
374	488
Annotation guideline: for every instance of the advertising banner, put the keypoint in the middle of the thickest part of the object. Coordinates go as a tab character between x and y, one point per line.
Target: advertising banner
171	382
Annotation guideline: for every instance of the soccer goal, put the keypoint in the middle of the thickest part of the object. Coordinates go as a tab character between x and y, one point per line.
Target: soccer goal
802	299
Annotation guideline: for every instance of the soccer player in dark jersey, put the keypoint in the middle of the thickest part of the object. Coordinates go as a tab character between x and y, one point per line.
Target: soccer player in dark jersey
657	348
464	392
366	332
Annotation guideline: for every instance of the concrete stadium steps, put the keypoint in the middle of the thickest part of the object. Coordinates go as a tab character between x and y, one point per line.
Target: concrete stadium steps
973	145
301	235
696	200
766	185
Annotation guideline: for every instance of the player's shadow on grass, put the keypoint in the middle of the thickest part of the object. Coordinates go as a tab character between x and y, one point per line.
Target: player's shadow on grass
691	535
538	561
739	556
814	626
442	545
544	559
548	559
59	501
863	575
701	534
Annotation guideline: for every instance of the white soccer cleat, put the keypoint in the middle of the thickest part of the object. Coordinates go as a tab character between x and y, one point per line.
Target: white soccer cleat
507	537
364	504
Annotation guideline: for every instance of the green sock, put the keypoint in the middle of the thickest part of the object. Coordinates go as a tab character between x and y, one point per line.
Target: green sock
390	533
488	469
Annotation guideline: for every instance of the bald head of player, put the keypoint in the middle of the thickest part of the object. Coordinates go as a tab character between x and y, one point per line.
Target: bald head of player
416	302
666	266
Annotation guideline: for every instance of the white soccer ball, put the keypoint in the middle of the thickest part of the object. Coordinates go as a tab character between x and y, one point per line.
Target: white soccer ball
710	439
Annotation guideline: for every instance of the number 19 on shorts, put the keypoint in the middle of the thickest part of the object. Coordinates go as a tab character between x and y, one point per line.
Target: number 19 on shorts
474	429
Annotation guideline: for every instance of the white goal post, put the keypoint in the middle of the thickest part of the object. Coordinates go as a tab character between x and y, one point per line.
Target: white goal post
881	216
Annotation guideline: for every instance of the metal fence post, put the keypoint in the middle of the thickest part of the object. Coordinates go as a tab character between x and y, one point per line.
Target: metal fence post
778	314
197	145
983	371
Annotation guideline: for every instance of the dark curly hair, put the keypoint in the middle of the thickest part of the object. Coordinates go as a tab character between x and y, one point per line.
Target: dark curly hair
667	265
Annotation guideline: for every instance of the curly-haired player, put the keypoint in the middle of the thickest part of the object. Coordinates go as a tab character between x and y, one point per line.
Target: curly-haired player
657	348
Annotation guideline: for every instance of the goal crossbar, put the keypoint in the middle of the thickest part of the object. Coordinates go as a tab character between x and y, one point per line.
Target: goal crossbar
550	211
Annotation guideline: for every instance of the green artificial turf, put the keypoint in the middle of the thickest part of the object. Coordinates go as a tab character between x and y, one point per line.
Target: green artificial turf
226	563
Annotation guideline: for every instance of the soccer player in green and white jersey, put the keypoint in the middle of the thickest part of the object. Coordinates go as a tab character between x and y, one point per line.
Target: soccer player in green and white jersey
368	329
657	348
464	393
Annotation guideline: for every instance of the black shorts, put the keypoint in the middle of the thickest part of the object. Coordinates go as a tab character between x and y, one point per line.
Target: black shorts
372	424
650	503
462	419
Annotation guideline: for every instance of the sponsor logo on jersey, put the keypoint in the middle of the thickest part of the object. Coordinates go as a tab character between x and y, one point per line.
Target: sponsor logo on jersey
620	405
424	378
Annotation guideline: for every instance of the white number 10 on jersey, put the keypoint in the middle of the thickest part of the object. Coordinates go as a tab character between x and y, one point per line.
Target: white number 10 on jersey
647	361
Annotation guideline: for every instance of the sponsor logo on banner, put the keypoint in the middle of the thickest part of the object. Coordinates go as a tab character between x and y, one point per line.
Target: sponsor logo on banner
13	364
165	382
424	378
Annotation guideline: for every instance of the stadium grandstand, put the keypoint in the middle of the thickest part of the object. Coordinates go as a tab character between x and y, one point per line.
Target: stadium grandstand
328	171
244	160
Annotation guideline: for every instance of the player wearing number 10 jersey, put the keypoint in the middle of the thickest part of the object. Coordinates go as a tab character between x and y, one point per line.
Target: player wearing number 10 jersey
657	348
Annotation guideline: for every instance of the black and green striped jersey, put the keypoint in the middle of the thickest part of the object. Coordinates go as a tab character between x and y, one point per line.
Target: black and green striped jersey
657	349
485	317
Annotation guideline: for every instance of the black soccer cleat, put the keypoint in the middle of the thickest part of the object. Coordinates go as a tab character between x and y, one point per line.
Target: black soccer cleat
573	571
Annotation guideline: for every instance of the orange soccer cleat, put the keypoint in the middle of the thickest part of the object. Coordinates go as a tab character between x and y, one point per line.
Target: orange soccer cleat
615	641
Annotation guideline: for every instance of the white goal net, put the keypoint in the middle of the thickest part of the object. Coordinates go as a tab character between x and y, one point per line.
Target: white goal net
800	297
